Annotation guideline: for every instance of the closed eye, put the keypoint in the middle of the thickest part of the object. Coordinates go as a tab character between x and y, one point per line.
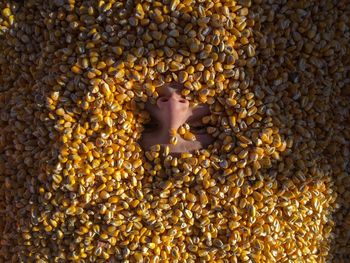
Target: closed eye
198	127
151	125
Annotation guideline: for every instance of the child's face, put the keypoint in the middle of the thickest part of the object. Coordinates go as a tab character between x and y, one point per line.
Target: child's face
170	112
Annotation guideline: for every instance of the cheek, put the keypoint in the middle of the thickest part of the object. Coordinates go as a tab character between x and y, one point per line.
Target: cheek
182	107
152	110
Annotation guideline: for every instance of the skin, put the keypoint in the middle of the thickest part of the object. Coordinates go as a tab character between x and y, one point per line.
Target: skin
170	112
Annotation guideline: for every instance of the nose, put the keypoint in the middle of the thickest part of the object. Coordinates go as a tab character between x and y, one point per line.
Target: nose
173	100
174	110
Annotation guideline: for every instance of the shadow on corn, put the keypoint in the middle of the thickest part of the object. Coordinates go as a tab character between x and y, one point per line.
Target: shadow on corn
71	116
306	99
27	139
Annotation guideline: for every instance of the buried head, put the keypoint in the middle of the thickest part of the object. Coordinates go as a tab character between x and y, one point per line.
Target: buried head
169	113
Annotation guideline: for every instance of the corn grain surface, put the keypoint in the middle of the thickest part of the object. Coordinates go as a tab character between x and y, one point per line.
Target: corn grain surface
75	186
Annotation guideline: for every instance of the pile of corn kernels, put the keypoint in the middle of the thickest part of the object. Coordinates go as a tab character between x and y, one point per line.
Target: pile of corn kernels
75	185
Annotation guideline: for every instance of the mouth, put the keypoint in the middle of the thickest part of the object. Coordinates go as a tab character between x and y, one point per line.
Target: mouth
199	112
